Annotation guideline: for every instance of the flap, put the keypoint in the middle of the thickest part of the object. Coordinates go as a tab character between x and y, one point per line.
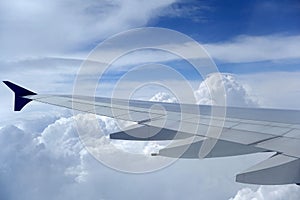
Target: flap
221	148
277	170
140	132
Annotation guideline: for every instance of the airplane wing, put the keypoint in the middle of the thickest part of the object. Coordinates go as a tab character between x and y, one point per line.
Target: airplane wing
242	131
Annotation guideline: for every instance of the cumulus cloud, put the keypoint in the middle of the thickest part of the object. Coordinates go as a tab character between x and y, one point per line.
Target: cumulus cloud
53	164
212	90
26	167
287	192
163	97
50	163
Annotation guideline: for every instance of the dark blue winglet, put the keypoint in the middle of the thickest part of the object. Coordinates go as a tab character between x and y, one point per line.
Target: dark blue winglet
20	93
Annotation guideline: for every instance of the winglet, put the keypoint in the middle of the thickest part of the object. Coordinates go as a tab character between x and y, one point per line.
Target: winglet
20	93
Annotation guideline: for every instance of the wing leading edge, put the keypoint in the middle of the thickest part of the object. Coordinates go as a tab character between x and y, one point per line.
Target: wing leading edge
243	131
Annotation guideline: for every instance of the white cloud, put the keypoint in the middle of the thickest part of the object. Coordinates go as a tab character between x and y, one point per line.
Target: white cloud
213	86
242	48
163	97
55	27
256	48
287	192
53	164
274	89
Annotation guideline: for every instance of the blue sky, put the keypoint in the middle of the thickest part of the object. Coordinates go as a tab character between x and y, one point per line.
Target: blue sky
238	24
222	21
216	21
43	46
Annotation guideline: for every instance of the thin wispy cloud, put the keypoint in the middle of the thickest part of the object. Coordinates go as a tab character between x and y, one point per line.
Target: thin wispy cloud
256	48
40	28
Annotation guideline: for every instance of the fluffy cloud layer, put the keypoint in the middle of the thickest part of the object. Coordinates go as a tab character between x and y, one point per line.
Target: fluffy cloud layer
288	192
52	164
